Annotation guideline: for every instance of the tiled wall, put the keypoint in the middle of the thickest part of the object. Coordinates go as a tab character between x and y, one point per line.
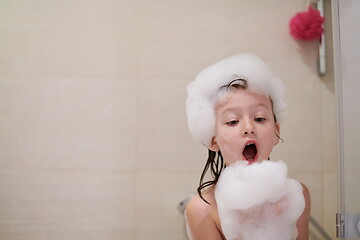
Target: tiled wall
93	136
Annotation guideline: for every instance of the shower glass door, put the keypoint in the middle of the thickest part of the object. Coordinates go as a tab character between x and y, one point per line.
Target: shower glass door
346	27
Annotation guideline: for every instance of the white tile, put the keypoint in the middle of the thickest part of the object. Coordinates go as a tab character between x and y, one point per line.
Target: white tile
67	205
314	183
331	203
69	38
163	138
302	128
181	37
158	196
69	123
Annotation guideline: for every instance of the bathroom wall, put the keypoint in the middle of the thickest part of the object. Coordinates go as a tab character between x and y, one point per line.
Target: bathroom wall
93	135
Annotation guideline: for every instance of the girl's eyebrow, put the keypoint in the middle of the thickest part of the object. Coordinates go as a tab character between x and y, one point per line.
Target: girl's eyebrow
255	108
256	105
261	105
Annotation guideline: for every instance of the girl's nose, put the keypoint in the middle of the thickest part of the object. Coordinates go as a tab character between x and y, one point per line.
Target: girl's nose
248	129
248	132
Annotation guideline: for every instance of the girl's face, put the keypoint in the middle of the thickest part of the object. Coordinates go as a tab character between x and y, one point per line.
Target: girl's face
245	127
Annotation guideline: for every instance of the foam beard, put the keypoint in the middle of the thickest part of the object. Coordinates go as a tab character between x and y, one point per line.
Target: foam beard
258	201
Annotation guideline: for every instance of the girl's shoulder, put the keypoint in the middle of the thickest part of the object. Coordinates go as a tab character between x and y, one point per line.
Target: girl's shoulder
198	207
306	193
208	194
202	219
302	223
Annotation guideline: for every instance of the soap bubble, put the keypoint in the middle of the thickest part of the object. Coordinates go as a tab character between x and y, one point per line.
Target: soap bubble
258	201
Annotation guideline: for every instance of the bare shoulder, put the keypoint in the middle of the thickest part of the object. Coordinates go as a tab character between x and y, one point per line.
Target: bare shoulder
198	210
196	206
303	221
307	199
306	193
200	218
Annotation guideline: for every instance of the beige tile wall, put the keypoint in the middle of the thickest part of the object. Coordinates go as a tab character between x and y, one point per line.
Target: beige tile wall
93	137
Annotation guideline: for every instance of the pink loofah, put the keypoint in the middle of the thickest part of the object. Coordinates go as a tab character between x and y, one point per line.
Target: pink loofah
307	25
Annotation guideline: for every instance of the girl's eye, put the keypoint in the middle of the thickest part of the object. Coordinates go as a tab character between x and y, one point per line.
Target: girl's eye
259	119
232	123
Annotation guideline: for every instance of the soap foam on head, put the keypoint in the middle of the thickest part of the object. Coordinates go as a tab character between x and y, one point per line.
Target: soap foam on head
258	201
202	92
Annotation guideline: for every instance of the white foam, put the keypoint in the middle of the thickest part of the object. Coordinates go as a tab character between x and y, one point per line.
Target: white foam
258	201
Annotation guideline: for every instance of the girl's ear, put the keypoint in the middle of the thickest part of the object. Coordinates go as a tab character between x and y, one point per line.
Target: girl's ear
277	133
214	146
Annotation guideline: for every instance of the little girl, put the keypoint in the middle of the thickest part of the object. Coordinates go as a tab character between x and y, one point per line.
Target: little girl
233	109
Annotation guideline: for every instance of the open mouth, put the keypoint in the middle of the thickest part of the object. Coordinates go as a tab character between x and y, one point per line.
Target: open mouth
250	152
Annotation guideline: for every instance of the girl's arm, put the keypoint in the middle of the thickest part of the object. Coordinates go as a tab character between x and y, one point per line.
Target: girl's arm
303	222
199	220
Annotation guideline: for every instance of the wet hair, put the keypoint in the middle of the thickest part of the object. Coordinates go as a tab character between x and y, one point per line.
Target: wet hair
215	160
238	83
216	164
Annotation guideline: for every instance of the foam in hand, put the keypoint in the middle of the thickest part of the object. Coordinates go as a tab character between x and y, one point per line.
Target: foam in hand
258	201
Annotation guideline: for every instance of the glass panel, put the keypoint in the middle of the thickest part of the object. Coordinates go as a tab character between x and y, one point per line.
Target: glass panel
347	55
